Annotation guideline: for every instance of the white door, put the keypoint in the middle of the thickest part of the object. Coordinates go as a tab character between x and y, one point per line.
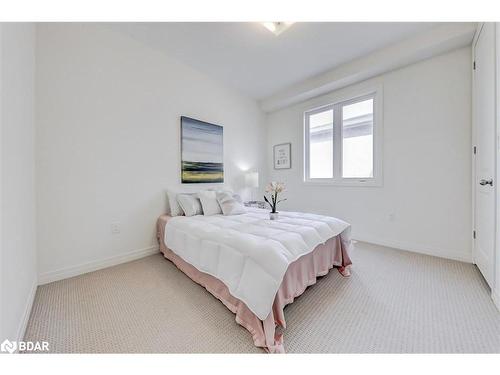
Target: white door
484	161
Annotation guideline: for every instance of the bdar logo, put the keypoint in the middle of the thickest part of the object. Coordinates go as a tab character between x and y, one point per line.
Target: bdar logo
24	346
8	346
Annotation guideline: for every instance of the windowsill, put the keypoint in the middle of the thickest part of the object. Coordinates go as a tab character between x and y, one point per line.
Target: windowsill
348	182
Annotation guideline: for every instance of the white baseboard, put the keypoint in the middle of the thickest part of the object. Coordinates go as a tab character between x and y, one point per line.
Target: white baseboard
495	296
417	248
64	273
27	311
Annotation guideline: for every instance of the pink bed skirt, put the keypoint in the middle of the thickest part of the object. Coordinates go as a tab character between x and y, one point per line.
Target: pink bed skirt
300	274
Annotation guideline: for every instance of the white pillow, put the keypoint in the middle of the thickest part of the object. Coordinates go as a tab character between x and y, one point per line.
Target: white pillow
227	189
229	205
190	204
209	202
175	208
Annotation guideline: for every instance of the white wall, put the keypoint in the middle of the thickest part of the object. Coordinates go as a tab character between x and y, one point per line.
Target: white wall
108	110
426	161
18	243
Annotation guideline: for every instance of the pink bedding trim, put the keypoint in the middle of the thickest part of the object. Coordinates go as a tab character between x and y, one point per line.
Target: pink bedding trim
300	274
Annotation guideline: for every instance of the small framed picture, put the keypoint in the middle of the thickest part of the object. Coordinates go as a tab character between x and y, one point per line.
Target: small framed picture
282	156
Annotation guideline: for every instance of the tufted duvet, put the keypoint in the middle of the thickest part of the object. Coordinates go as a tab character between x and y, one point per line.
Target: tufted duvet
250	253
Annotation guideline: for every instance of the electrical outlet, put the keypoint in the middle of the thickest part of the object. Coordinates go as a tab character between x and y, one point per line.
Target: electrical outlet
115	227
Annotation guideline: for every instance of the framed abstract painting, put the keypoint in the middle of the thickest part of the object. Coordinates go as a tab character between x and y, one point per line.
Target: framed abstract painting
202	157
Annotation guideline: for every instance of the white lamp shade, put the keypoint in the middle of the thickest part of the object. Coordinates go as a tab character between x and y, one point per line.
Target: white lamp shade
252	179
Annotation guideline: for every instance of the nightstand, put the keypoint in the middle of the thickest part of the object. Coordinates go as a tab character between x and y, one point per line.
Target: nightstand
255	204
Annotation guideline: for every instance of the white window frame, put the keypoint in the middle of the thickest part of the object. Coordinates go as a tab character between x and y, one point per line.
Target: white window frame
336	106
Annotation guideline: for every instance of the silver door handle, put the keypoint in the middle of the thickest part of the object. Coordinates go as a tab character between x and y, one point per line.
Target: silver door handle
486	182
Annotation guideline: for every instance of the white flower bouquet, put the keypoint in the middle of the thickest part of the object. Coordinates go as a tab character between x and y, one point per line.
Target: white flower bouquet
274	188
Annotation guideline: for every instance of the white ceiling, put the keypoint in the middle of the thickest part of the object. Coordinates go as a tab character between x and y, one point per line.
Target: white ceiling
251	59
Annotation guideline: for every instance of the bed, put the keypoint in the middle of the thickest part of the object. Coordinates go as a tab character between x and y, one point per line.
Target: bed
256	266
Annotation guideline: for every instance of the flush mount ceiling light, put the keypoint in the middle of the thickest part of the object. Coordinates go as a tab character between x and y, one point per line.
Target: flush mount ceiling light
277	27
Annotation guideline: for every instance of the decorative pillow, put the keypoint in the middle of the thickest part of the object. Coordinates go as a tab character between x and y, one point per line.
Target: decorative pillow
209	202
175	208
228	204
190	204
227	189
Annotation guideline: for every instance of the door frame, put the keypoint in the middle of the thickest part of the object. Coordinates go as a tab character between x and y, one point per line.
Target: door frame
473	145
495	291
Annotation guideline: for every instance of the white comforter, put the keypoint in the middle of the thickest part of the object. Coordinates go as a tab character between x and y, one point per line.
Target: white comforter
249	252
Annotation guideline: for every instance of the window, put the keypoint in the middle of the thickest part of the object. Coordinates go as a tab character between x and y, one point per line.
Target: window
357	139
342	143
321	144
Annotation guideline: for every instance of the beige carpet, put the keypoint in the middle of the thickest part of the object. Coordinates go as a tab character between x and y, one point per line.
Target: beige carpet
395	302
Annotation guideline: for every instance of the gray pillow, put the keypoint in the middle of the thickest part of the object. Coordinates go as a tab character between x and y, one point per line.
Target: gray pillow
190	204
175	209
229	191
228	204
209	203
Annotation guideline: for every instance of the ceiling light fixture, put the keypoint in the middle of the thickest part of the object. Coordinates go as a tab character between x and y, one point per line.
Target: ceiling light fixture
277	27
